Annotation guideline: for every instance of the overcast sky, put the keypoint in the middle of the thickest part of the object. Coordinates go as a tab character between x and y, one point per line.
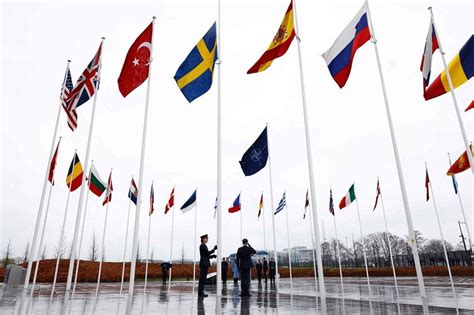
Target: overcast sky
349	130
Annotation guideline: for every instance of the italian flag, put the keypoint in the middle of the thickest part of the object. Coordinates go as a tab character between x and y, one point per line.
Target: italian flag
96	185
348	198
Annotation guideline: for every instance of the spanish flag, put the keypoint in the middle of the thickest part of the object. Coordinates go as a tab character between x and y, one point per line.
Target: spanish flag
461	164
461	69
279	45
74	175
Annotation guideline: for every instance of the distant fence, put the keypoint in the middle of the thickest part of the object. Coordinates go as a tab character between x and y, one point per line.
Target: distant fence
456	258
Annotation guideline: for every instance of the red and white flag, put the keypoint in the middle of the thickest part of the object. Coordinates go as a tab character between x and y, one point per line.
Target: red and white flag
53	164
170	203
108	192
137	62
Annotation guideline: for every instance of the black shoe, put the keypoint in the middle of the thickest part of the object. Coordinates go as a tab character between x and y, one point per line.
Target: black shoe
202	294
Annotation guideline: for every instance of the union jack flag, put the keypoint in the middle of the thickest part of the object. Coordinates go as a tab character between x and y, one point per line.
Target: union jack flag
87	83
65	92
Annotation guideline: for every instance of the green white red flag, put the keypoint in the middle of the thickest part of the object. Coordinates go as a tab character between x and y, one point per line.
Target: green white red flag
348	198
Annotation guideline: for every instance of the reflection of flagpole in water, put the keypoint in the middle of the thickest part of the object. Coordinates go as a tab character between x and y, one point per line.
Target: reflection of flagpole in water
195	244
61	235
264	234
289	247
171	247
442	239
82	232
339	262
313	249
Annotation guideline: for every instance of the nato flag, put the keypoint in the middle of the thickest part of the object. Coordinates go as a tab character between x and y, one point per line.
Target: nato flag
255	158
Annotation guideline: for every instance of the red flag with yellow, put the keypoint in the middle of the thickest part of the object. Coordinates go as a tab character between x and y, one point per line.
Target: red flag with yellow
279	45
461	164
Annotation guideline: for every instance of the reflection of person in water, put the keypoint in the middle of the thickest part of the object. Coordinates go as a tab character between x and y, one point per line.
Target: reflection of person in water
201	309
245	306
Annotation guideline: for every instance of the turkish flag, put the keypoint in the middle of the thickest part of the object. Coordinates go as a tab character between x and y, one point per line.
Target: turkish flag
136	66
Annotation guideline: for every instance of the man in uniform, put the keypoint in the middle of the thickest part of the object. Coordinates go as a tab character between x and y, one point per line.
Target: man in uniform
224	269
204	263
259	267
244	261
272	269
265	269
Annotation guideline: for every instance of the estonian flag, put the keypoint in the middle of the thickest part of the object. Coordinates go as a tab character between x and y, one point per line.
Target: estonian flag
255	158
190	204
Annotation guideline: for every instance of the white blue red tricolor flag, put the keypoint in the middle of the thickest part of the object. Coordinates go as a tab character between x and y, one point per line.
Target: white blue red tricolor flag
340	55
431	46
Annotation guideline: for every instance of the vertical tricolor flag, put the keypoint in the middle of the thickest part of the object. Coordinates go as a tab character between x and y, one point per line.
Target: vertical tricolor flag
133	192
331	203
378	194
152	199
108	193
431	46
236	205
52	165
170	203
306	204
260	207
348	198
427	185
74	174
340	55
137	62
279	45
461	69
96	185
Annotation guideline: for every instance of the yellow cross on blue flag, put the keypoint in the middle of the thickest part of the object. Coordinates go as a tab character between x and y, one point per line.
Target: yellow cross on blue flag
194	75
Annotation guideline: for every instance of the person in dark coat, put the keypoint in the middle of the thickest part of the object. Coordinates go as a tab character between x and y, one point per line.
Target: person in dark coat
259	267
165	267
204	263
244	261
224	268
265	268
272	270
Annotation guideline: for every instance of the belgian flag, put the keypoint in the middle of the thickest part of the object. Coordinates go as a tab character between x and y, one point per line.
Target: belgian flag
74	175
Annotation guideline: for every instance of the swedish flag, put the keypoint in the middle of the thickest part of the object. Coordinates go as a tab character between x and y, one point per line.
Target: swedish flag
194	75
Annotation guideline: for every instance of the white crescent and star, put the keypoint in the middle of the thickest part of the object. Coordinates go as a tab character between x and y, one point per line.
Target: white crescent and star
147	45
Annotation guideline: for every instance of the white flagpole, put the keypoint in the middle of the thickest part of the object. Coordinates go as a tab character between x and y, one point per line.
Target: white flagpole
289	248
171	247
133	263
41	241
147	251
313	250
322	289
43	192
363	250
453	94
82	233
195	244
444	243
419	273
103	236
61	235
390	252
275	255
339	259
263	219
241	234
125	245
462	209
81	194
219	155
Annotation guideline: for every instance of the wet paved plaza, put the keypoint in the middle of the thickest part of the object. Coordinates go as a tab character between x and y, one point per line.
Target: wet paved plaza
179	299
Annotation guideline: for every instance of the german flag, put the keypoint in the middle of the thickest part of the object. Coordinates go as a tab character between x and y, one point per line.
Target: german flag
461	164
74	174
279	45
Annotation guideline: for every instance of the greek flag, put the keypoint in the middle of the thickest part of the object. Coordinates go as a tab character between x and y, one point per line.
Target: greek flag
282	203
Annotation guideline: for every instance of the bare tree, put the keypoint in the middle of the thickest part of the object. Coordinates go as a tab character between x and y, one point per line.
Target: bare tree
436	246
61	248
7	258
419	239
27	253
183	254
151	256
93	249
43	253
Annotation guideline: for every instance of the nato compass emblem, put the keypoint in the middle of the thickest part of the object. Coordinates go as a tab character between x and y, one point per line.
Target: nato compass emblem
256	155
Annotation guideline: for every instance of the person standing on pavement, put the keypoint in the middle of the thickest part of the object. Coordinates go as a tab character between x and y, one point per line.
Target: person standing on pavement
244	262
204	263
